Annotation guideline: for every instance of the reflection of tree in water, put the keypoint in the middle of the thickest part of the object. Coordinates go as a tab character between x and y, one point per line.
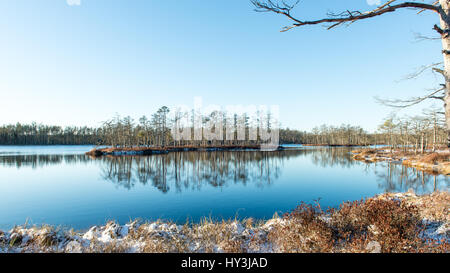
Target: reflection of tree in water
392	177
192	170
395	177
330	157
39	161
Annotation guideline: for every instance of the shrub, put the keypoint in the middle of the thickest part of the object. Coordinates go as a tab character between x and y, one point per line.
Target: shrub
304	231
361	226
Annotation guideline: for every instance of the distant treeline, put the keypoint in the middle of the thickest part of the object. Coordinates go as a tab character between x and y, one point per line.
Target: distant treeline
39	134
126	133
424	131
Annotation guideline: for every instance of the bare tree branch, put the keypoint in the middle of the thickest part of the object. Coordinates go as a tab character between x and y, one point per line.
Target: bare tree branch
440	71
338	19
434	3
434	67
419	37
397	103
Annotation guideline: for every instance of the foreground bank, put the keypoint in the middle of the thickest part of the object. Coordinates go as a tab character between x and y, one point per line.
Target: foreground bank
402	222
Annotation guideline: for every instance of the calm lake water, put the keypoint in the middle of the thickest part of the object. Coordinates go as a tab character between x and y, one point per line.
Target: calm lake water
59	185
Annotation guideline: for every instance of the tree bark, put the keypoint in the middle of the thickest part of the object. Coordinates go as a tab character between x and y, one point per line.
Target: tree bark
445	26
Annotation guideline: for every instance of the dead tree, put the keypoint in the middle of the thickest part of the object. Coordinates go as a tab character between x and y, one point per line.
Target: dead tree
441	8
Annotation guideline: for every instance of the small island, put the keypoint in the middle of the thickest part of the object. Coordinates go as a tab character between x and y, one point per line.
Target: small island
96	152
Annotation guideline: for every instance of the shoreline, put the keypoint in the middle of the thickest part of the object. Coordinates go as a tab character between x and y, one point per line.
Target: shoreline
335	145
164	150
437	162
390	222
118	151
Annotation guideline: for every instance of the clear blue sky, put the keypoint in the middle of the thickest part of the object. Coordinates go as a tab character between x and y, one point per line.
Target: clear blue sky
79	65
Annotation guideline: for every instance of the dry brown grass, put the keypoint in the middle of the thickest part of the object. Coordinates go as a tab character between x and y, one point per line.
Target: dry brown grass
430	162
393	225
304	231
434	206
386	223
435	158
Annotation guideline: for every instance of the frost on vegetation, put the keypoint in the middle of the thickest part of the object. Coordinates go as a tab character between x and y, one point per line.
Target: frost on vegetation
386	223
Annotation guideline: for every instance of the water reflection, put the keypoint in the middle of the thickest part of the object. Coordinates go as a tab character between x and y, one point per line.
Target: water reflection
40	161
331	157
394	177
180	171
192	170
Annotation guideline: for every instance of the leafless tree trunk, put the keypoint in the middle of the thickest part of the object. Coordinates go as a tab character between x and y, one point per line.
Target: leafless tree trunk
445	31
